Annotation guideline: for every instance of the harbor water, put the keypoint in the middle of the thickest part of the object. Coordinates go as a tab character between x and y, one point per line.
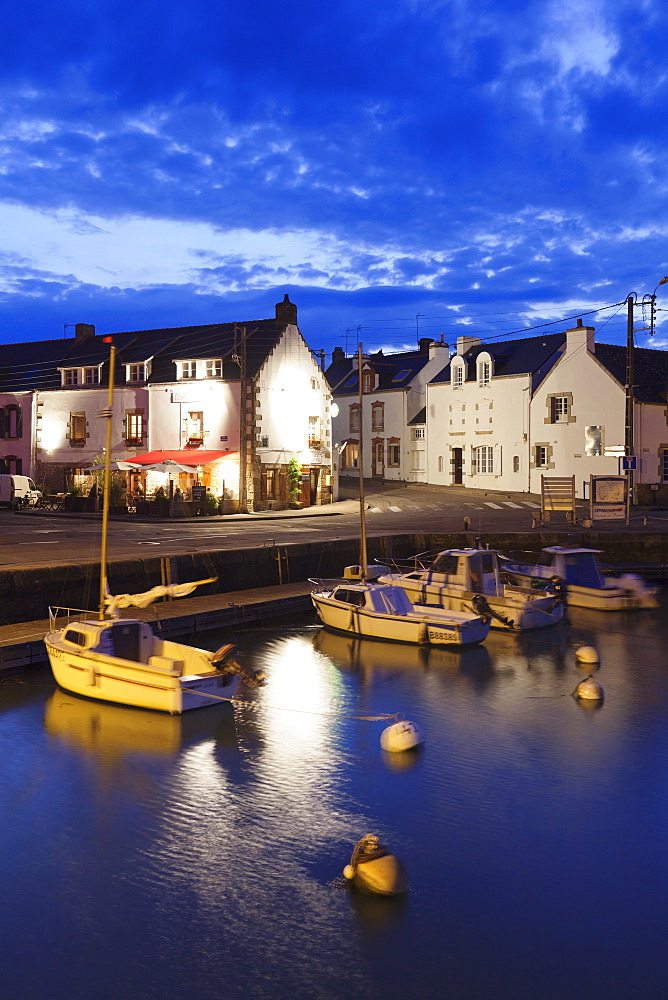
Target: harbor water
146	856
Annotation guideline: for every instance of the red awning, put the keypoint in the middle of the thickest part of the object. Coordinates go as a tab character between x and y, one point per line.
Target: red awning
185	457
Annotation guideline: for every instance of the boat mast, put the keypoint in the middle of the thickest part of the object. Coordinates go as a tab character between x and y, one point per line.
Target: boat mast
360	460
107	415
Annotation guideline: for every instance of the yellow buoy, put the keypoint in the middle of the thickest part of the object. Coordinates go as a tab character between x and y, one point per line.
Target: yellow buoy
373	869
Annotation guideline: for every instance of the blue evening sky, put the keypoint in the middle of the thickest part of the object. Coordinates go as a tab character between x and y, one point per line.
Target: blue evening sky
405	168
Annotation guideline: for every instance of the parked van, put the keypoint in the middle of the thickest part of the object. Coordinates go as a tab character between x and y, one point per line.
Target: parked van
18	491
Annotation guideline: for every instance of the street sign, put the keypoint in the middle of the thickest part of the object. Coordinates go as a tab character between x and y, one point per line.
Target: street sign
629	463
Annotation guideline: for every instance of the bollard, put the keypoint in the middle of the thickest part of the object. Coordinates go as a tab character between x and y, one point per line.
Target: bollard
467	524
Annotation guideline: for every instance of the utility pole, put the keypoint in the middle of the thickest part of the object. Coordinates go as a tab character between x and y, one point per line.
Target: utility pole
628	425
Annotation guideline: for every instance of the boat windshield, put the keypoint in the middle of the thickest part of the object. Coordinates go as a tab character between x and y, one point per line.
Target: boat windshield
392	600
445	563
581	569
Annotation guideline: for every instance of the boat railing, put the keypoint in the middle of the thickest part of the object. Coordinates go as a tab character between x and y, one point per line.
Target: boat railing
322	583
60	617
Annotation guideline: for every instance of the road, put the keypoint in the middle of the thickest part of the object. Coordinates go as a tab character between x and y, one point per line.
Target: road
29	539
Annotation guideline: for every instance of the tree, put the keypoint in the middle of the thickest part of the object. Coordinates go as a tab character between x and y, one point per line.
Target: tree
294	476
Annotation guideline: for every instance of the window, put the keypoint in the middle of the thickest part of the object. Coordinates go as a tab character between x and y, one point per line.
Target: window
484	370
91	376
71	376
664	465
270	478
350	381
559	408
314	383
11	421
134	427
483	460
541	456
214	368
418	461
393	453
516	463
440	463
457	374
12	465
136	373
417	433
77	430
378	417
314	435
350	455
354	423
195	427
368	381
400	376
187	369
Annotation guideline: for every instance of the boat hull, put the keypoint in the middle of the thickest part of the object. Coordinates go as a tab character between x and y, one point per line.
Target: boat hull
516	612
107	678
604	598
433	629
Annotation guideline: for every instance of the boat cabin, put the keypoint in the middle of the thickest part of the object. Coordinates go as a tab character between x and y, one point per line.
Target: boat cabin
471	570
124	638
578	567
375	597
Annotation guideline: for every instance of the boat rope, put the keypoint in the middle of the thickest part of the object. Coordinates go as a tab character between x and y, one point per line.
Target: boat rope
383	717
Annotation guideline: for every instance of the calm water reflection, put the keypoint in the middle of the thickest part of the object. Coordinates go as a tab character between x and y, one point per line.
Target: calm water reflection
147	856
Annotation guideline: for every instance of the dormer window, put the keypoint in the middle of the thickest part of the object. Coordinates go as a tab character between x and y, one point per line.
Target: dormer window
368	381
187	369
214	368
91	376
71	376
136	373
457	373
80	376
484	369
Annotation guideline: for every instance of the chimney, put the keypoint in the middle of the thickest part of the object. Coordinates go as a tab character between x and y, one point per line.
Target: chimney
83	331
580	336
338	354
424	343
286	312
466	343
435	348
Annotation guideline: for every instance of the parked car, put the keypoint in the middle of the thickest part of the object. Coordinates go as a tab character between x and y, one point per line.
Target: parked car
18	491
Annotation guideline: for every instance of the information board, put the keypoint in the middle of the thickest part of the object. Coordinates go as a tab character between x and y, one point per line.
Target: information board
199	493
609	498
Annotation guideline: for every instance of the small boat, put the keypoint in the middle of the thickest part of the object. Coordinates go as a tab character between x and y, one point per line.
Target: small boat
586	585
121	660
379	611
469	579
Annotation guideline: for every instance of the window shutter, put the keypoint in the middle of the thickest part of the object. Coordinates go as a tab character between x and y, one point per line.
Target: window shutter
19	422
3	422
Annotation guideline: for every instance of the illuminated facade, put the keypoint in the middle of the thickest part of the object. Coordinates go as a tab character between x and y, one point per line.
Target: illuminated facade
248	398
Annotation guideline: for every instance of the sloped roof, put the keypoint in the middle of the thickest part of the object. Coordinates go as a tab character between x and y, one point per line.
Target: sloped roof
394	371
420	417
512	357
36	365
650	370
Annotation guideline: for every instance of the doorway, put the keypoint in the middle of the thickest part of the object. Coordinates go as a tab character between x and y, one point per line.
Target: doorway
457	463
378	459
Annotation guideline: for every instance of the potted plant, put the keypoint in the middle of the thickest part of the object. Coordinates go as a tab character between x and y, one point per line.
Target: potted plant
294	479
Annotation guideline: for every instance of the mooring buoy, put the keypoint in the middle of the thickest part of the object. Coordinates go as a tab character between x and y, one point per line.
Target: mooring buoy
400	736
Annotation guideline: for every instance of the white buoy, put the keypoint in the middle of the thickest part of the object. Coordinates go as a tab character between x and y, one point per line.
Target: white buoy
348	872
589	690
587	654
400	736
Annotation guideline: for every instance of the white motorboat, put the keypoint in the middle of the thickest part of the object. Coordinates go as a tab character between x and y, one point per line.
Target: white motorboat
121	660
469	580
379	611
586	585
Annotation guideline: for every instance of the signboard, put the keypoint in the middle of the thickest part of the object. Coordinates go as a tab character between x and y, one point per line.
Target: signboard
629	463
609	498
199	493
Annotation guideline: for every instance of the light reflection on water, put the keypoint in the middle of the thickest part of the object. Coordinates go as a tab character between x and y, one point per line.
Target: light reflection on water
201	856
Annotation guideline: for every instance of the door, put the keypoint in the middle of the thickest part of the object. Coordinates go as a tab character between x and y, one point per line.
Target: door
126	640
313	486
457	461
378	459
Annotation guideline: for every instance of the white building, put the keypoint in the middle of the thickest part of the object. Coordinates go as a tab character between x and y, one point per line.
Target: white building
501	415
244	405
391	418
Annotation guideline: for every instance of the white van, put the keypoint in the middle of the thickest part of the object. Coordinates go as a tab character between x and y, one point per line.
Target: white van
18	491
